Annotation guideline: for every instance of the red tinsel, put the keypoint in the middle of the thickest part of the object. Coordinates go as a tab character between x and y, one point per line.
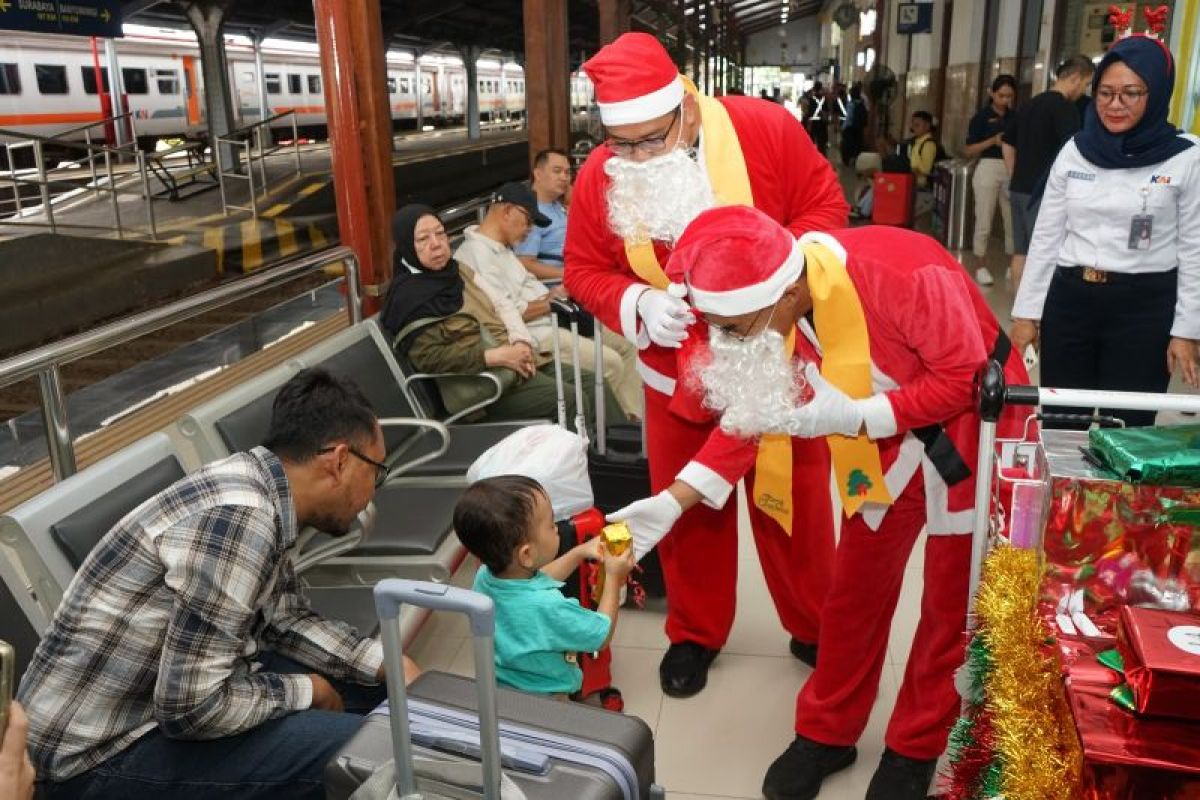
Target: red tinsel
1121	18
1156	18
976	751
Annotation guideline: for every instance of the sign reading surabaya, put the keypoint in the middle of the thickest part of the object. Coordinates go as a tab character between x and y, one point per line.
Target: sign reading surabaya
77	17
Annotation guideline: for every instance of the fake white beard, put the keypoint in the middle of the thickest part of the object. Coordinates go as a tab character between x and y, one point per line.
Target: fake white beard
753	385
657	198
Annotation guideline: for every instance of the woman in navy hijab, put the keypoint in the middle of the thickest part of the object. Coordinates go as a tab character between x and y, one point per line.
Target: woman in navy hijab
1112	281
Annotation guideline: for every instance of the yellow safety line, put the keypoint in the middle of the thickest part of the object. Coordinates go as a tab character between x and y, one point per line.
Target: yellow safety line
252	256
286	234
214	238
275	210
311	188
316	237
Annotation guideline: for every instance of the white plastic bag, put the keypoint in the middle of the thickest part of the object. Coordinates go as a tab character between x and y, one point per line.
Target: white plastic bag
552	456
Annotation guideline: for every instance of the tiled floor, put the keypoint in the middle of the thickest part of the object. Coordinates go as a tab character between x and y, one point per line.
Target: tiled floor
717	745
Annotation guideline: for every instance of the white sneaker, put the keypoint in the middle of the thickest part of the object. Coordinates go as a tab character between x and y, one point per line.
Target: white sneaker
984	277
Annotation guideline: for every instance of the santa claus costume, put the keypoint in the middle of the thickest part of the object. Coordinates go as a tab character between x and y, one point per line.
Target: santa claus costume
631	199
900	333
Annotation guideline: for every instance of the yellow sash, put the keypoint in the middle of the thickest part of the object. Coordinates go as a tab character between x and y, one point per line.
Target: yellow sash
846	363
727	174
773	470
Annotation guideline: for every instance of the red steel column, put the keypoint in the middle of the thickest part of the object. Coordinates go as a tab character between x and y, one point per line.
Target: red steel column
547	79
360	135
614	19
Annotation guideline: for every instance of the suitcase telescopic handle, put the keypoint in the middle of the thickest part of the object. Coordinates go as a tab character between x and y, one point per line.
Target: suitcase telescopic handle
390	596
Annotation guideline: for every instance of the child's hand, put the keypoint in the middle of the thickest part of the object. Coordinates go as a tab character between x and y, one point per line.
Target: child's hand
618	567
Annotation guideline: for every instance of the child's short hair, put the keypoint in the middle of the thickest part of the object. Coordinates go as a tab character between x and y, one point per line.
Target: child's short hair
493	517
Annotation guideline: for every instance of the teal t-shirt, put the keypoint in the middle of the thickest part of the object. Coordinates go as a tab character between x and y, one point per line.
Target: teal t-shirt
539	631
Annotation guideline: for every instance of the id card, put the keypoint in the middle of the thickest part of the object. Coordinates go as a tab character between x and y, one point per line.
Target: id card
1141	226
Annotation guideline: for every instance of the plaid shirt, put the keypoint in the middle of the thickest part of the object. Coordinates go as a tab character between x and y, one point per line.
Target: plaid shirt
162	623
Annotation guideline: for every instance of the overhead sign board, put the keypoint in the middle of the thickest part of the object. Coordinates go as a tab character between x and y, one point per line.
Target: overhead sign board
75	17
914	18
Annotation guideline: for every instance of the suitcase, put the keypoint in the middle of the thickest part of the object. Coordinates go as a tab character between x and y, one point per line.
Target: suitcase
460	728
893	198
617	461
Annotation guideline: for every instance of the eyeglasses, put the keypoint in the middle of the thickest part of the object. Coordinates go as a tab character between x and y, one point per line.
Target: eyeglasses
1129	95
731	330
381	470
649	145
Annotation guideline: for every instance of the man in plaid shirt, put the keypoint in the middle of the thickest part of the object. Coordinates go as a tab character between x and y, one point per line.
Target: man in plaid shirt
183	657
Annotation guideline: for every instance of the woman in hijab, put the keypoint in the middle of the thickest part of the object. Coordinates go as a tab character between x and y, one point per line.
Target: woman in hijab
1112	280
473	330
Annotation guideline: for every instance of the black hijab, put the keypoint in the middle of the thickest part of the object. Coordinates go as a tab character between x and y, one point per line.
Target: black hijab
416	291
1153	139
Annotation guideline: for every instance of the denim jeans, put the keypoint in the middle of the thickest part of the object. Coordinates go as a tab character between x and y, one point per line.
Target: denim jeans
282	758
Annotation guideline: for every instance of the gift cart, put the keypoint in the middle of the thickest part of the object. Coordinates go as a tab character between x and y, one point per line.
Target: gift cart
1018	469
1041	713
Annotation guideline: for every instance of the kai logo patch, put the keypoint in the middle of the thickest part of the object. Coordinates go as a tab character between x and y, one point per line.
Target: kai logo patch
858	484
1160	180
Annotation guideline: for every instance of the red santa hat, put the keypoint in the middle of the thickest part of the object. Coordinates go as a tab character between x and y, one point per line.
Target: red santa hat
635	80
733	260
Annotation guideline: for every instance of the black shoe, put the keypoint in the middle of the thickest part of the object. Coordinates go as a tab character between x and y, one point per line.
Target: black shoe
798	773
684	669
900	778
805	651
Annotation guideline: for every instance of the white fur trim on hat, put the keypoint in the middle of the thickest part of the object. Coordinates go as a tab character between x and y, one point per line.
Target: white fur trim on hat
754	297
647	107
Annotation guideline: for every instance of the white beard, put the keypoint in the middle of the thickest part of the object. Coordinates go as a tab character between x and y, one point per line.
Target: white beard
753	385
657	198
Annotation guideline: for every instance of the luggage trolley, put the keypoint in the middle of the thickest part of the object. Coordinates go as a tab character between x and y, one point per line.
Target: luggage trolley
1030	493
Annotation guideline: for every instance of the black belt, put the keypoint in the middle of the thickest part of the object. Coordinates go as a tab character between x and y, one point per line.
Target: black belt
1093	275
940	451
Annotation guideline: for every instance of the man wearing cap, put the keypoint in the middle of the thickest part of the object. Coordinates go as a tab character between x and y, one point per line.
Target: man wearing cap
487	248
671	153
899	333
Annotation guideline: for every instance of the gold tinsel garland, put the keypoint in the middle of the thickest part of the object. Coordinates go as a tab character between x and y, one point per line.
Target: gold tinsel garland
1035	737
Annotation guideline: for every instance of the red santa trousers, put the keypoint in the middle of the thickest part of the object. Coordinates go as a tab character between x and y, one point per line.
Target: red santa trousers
699	556
835	703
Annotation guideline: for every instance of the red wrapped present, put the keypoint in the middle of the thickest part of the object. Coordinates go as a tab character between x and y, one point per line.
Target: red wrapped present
1108	543
1161	650
1133	758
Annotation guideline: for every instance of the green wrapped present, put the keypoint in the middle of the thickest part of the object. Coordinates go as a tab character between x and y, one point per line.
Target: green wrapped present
1159	456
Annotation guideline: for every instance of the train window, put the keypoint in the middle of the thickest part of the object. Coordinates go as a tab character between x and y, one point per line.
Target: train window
294	84
89	78
405	86
168	81
391	85
314	84
134	80
273	84
10	79
51	78
427	86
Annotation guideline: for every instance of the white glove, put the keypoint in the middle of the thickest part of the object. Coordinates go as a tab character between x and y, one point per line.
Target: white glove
649	520
666	318
830	411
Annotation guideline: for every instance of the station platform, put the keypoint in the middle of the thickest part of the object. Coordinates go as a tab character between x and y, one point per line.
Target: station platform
198	240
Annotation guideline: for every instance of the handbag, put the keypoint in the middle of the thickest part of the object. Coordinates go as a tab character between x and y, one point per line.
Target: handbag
461	391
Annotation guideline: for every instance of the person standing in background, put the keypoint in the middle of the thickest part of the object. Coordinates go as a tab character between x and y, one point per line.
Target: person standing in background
990	181
1036	132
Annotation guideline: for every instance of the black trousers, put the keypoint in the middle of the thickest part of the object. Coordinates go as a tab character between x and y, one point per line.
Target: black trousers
1108	336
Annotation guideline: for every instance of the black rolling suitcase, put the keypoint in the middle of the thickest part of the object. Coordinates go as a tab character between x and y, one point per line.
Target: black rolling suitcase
617	461
462	738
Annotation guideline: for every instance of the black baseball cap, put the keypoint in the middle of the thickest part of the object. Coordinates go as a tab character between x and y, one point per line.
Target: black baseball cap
519	194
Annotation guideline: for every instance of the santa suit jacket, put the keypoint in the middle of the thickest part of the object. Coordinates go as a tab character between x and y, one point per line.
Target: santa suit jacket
790	181
931	332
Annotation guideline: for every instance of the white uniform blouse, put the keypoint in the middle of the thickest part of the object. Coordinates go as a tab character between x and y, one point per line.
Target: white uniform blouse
1085	220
